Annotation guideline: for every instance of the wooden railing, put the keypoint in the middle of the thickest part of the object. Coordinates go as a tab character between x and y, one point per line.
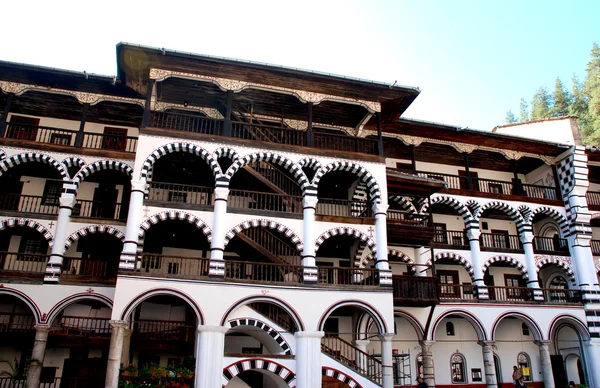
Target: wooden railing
186	123
344	276
98	268
493	186
82	326
352	357
58	382
495	241
452	181
549	244
16	323
263	272
268	133
178	193
245	199
156	330
542	192
561	296
98	209
595	245
420	290
29	204
102	141
456	238
346	143
172	266
467	293
275	314
277	177
275	245
462	292
403	217
344	208
13	262
593	198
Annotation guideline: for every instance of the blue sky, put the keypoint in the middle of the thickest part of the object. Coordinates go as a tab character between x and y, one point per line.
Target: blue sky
473	60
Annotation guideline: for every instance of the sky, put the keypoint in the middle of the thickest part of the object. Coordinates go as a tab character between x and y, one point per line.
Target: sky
473	60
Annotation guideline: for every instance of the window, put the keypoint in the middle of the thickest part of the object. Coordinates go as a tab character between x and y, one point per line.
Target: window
514	287
449	285
31	246
525	329
449	328
500	239
440	233
524	363
52	192
114	139
458	368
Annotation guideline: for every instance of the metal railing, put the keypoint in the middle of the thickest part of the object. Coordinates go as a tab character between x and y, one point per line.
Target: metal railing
29	203
352	357
495	241
456	238
172	266
98	209
263	272
179	193
344	208
344	276
13	262
186	123
81	326
549	244
16	323
346	143
245	199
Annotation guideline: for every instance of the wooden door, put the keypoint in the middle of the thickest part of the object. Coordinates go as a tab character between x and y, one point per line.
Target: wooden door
22	128
440	236
114	139
105	201
500	239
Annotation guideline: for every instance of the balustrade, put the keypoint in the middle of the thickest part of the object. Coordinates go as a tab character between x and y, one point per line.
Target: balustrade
98	209
103	141
455	238
344	276
344	208
89	267
29	203
148	330
593	198
263	272
595	245
268	133
415	289
25	263
245	199
352	357
81	326
346	143
16	323
172	266
500	241
549	244
186	123
179	193
467	293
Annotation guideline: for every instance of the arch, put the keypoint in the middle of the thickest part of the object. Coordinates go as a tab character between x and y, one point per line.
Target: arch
310	163
561	320
29	157
362	173
525	212
73	161
341	376
372	311
358	256
296	240
138	299
560	219
362	263
455	257
472	319
175	215
2	155
12	222
103	165
35	310
57	308
560	262
146	172
505	208
506	259
459	358
264	327
342	230
230	371
226	152
533	327
269	299
405	203
414	322
452	202
90	229
270	157
473	206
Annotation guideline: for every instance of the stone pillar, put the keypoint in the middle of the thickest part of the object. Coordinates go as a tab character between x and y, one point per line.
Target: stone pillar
310	271
489	365
132	230
308	359
381	257
421	258
67	201
473	236
591	350
427	357
583	261
37	356
115	353
217	243
387	361
126	355
362	346
210	347
532	282
546	364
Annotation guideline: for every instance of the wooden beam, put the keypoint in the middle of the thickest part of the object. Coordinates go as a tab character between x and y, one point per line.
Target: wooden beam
80	133
379	135
310	139
227	129
5	111
149	94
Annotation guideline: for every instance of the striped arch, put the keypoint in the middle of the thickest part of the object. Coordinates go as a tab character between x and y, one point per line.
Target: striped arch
93	229
525	212
229	372
458	258
264	327
310	163
342	230
358	256
226	152
559	262
509	210
338	375
455	204
73	161
560	219
296	240
363	174
174	215
29	157
170	148
84	296
391	252
473	206
271	158
405	203
2	155
103	165
506	259
12	222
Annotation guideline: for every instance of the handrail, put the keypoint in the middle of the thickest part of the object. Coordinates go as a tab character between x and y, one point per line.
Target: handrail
186	122
29	203
404	217
344	208
500	241
352	357
98	209
348	143
268	133
549	244
246	199
457	292
263	272
467	293
276	314
168	265
86	326
79	266
456	238
16	322
144	329
180	193
22	262
345	276
104	141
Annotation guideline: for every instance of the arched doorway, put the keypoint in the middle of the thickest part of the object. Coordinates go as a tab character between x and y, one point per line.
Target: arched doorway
103	194
568	334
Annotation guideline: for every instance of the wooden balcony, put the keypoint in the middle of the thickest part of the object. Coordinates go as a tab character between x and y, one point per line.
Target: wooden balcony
343	210
264	202
98	210
81	326
415	291
16	323
145	330
451	238
89	270
500	242
593	200
22	266
551	246
405	227
467	293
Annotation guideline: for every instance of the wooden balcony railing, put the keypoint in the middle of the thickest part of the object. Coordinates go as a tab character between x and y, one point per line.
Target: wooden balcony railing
497	241
459	292
595	245
29	204
550	245
467	293
81	326
22	263
245	199
542	192
402	217
179	193
455	238
186	123
263	272
156	330
102	141
452	181
593	198
172	266
272	243
278	177
90	267
343	276
98	209
330	141
351	356
344	208
58	382
415	290
268	133
16	323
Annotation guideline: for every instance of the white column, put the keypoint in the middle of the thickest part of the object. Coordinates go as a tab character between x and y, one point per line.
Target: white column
55	262
217	243
132	230
126	353
473	236
381	257
591	350
421	257
427	357
532	275
210	346
583	261
37	356
487	347
387	362
546	363
360	360
115	352
308	359
310	271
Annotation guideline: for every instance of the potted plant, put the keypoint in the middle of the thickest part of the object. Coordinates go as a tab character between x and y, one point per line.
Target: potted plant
130	371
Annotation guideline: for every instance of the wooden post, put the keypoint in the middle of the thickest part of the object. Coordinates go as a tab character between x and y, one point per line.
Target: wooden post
80	133
310	139
379	134
517	184
468	177
413	159
149	91
228	113
4	116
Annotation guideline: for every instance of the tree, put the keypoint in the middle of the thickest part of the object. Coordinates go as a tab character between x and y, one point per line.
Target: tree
579	106
510	118
541	104
591	90
524	110
561	100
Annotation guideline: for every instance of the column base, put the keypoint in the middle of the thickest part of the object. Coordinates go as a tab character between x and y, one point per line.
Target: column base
310	275
384	278
216	269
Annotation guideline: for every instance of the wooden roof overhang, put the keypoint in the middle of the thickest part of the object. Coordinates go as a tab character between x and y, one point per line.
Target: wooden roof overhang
399	183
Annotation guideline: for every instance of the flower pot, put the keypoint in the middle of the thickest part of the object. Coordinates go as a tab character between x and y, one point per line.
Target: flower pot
127	373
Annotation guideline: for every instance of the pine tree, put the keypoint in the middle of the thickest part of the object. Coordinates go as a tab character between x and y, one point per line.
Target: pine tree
510	118
561	100
524	111
579	106
591	90
541	104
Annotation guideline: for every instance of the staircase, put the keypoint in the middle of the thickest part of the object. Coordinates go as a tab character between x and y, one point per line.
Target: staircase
269	246
276	315
352	357
278	180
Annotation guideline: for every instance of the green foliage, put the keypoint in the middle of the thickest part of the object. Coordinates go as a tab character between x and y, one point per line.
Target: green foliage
524	110
541	104
561	100
510	118
591	89
13	372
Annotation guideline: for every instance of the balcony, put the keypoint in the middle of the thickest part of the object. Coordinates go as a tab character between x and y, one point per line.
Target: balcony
406	227
89	270
467	293
418	291
330	209
500	242
22	265
551	246
471	186
451	238
70	138
595	245
593	200
261	132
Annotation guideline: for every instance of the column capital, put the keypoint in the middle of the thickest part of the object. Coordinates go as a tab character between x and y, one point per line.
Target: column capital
526	237
486	343
67	200
426	343
212	329
386	337
473	233
309	201
360	343
119	324
139	185
221	193
42	328
543	343
379	208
